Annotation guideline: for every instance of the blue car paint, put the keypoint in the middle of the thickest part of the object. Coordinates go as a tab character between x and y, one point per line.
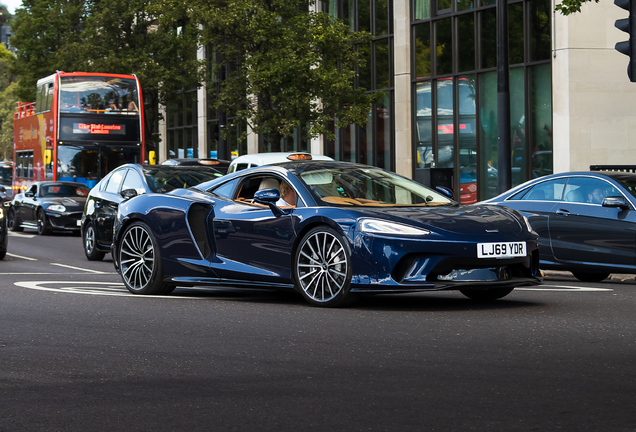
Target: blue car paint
263	256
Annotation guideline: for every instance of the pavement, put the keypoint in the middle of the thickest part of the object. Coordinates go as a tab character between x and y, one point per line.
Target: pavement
614	277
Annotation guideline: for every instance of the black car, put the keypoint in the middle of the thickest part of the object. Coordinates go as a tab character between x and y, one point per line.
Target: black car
4	238
218	164
5	194
586	221
124	183
47	206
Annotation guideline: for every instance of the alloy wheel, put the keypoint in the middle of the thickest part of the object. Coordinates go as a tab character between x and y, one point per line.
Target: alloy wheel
322	266
89	239
137	258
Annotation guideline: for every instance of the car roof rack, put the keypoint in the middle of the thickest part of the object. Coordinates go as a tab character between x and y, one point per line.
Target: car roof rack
622	168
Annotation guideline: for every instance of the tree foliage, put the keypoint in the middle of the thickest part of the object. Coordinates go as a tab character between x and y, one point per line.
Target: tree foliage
567	7
289	67
7	104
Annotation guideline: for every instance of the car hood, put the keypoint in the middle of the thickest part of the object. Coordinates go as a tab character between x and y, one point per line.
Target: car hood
71	204
473	219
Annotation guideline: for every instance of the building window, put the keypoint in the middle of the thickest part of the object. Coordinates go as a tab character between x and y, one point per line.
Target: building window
182	126
455	92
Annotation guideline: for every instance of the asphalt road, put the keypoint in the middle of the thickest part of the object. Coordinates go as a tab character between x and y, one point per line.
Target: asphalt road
78	353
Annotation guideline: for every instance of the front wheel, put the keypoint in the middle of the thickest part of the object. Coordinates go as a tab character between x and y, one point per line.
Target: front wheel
486	294
90	244
322	268
139	261
590	277
42	222
12	221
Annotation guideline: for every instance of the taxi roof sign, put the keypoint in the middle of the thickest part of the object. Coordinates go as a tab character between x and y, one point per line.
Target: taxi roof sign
299	157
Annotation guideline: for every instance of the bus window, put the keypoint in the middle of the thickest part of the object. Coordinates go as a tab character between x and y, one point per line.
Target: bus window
38	99
93	94
49	96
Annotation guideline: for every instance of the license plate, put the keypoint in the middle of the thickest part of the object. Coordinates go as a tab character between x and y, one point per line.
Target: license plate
501	250
79	222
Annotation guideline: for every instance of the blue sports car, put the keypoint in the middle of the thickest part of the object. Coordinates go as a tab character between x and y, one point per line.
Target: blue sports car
330	230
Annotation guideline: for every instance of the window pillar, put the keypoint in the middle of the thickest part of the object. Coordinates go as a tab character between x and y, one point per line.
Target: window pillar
402	79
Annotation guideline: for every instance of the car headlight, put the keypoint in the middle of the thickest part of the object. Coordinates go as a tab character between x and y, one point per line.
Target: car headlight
376	226
57	208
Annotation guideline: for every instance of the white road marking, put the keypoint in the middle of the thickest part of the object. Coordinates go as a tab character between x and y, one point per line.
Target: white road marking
20	256
12	234
79	268
96	288
561	288
48	273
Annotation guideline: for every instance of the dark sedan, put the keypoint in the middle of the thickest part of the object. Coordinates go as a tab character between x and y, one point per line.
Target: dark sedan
123	183
330	230
586	221
48	206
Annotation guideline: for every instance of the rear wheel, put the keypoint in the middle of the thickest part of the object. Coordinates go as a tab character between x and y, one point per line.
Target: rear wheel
487	294
3	254
12	221
42	222
590	277
322	268
140	262
90	244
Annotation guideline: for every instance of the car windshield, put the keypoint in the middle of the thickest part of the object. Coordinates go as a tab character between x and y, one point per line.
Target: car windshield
162	180
362	186
62	190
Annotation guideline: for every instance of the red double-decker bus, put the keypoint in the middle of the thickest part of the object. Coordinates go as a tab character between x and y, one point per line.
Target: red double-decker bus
81	127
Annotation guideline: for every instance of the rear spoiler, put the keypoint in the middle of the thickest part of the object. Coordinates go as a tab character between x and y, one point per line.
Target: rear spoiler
622	168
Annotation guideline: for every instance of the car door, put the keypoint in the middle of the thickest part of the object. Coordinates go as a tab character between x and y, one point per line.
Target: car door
537	203
584	231
28	204
251	242
106	205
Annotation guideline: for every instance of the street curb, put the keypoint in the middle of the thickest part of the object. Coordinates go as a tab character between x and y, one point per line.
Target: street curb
555	274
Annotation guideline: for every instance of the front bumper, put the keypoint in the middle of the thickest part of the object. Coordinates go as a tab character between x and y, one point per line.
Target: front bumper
385	264
65	221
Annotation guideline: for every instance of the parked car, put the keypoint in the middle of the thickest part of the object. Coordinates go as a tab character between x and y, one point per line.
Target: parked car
219	165
47	206
4	237
259	159
586	221
331	230
124	183
6	194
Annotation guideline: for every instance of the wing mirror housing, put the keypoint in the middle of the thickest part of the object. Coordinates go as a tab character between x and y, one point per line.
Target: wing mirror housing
267	196
445	191
615	201
29	194
128	193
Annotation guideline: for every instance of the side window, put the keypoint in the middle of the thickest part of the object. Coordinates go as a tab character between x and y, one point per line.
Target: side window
49	96
588	190
115	181
546	191
226	190
251	185
133	181
38	99
241	166
34	190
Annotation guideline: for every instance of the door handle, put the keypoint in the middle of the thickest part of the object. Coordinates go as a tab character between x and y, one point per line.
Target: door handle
562	212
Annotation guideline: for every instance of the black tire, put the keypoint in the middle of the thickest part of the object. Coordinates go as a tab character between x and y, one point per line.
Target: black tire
322	268
89	239
43	224
486	294
12	221
590	277
3	254
140	262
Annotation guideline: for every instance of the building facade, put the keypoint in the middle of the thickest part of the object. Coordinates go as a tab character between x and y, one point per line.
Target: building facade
435	64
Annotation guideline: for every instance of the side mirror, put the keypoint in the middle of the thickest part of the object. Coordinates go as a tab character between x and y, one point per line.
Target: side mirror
128	193
445	191
267	196
615	201
3	189
29	194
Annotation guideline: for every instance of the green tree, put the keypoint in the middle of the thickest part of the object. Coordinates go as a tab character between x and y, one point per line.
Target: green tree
287	67
566	7
7	104
141	37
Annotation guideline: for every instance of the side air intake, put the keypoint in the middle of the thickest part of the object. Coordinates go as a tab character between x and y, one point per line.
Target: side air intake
196	220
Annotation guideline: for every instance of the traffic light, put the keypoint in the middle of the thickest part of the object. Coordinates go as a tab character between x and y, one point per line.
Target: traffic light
628	25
